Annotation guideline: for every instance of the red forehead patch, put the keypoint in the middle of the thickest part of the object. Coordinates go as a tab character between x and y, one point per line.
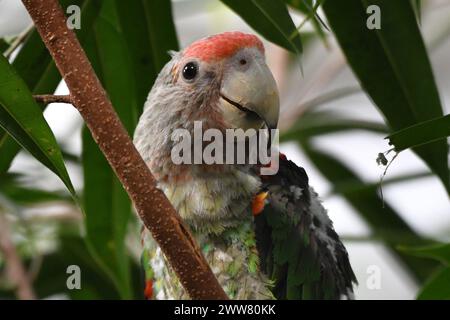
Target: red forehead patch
222	45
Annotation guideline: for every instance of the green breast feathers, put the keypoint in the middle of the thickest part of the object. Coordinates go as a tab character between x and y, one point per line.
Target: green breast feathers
285	249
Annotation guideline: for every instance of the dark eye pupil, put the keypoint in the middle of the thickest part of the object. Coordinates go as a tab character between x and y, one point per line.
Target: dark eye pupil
243	61
190	71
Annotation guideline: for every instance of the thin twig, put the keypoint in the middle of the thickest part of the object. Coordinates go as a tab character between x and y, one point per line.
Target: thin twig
14	266
329	69
327	97
16	43
50	98
385	172
91	100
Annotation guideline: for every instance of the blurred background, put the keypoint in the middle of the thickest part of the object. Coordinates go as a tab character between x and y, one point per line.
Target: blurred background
324	112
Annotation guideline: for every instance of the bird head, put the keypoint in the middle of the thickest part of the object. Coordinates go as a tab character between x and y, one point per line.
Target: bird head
232	67
222	81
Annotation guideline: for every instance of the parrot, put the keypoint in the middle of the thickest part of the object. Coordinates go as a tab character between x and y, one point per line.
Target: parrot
264	236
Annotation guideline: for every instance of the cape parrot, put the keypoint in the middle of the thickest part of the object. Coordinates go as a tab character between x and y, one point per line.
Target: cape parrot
265	237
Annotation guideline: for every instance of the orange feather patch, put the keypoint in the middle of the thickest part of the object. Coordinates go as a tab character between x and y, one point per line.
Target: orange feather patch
148	292
258	203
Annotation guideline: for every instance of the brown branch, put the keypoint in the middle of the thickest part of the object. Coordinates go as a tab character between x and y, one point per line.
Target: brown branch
90	99
14	266
50	98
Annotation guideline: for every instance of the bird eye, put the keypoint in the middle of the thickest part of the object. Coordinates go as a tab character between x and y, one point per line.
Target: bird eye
190	70
243	62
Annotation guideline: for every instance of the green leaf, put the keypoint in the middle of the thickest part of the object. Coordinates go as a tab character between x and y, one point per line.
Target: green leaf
8	149
392	66
163	39
11	188
308	8
36	67
317	123
148	45
437	287
422	133
440	252
317	129
133	23
271	19
116	69
3	45
417	6
384	221
107	210
22	118
53	276
343	188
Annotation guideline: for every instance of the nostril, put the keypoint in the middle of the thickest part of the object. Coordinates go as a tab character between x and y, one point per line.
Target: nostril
243	62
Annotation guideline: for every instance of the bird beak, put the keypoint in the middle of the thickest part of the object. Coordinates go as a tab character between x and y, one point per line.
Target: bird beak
249	98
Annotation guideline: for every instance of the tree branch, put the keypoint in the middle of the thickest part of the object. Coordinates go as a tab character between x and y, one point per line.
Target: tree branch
50	98
89	97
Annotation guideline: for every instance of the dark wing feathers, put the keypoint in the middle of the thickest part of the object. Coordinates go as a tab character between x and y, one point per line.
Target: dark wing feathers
298	247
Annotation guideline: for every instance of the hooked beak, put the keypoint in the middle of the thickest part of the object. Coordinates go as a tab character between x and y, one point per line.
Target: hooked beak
249	98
